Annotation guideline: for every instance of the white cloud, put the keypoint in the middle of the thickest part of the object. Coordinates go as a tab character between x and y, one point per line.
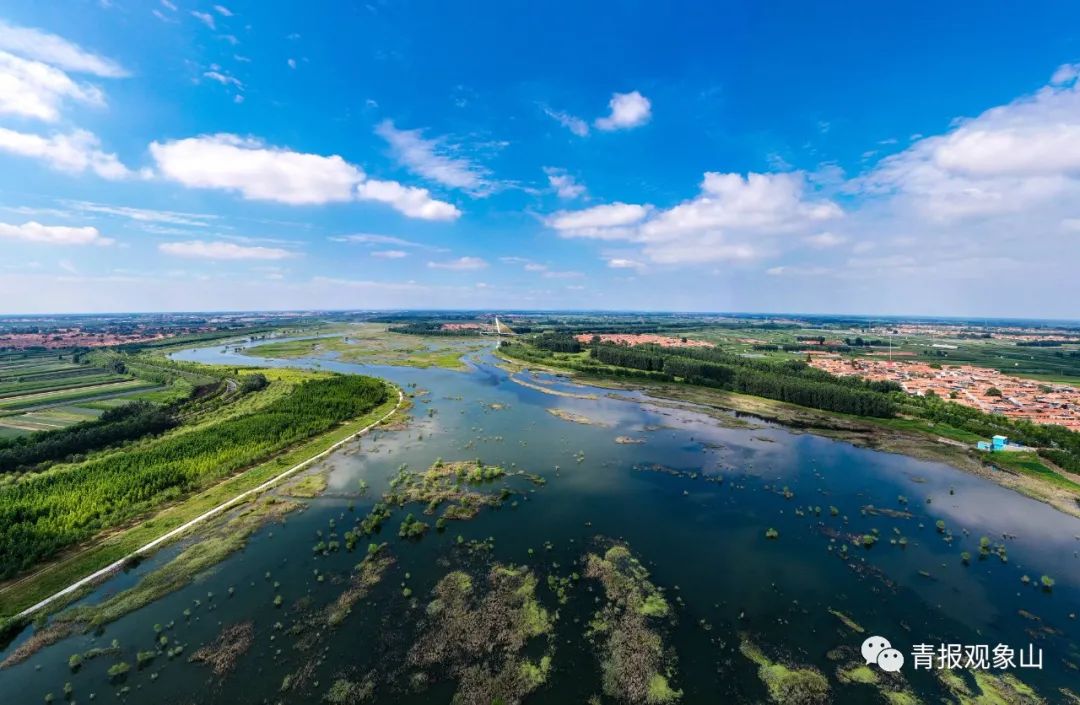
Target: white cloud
554	274
223	78
260	172
1066	73
291	63
57	51
376	239
75	152
825	240
627	110
575	124
1009	159
534	267
168	5
431	159
460	264
33	89
390	254
223	11
412	201
623	263
53	234
731	219
604	222
256	171
787	270
565	185
201	249
205	17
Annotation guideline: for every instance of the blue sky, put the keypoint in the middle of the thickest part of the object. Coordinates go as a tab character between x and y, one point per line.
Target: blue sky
919	158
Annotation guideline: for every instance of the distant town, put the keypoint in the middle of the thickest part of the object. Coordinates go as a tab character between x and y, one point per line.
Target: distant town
987	390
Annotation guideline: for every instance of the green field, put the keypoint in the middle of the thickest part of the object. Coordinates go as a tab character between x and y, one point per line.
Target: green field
46	390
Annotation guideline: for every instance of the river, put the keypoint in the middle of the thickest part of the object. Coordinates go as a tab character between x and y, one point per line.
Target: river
690	495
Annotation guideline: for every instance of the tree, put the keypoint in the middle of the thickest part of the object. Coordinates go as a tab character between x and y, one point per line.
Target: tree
993	392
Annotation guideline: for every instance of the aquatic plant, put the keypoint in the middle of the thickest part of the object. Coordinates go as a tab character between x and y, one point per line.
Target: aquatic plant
412	528
222	653
346	692
480	638
1047	583
787	685
118	671
75	662
772	533
632	652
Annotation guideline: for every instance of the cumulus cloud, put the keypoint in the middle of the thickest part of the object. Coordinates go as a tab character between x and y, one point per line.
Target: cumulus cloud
432	159
627	110
605	222
260	172
74	152
413	201
56	51
201	249
565	185
256	171
575	124
37	90
461	264
1008	159
53	234
729	220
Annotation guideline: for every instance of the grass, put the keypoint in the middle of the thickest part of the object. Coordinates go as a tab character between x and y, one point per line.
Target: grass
1030	464
110	546
307	486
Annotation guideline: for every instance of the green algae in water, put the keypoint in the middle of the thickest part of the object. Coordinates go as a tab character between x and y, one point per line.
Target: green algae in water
787	685
636	665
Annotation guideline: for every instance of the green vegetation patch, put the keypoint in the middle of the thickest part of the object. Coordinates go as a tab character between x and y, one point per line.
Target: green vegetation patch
635	664
43	514
787	685
480	638
983	688
308	486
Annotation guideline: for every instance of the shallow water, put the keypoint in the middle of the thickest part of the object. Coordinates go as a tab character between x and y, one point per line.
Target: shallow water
702	540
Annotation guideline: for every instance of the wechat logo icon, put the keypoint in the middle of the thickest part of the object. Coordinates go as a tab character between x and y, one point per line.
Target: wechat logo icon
877	649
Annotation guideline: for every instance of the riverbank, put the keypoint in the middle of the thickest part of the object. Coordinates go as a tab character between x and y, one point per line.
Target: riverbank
912	437
59	581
